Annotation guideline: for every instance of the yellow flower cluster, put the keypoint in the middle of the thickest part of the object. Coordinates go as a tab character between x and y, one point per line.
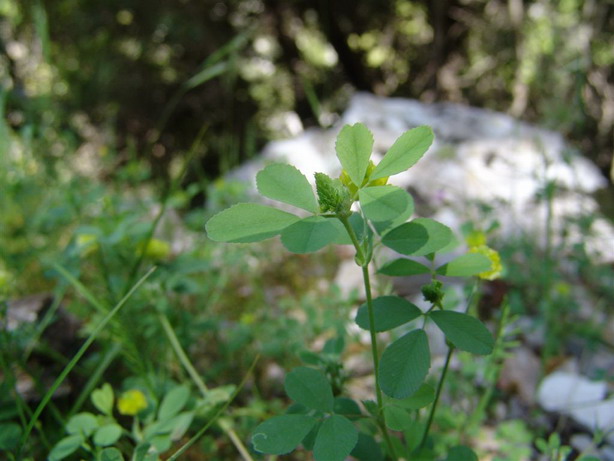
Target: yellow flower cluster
346	181
477	244
131	402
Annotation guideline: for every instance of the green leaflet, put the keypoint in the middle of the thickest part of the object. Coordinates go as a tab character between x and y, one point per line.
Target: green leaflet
347	407
286	184
403	267
389	312
65	447
385	203
466	265
282	434
173	402
103	399
248	222
418	237
82	423
404	365
309	234
111	454
367	449
397	418
423	397
354	145
310	388
461	453
9	435
336	438
464	331
405	152
107	435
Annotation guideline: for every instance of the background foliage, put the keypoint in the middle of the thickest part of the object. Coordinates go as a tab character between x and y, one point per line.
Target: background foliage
151	76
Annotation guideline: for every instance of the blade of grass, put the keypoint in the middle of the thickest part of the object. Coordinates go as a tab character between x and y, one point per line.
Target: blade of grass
185	361
181	355
23	410
44	323
134	270
88	342
211	68
94	378
218	413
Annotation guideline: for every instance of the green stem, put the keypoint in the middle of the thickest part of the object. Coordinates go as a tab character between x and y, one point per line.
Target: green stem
378	390
381	419
442	378
348	227
495	363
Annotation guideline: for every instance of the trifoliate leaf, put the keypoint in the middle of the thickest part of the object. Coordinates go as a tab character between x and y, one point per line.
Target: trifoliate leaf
248	222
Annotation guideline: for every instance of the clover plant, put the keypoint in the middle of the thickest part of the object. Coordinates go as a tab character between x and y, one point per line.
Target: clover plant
154	429
359	208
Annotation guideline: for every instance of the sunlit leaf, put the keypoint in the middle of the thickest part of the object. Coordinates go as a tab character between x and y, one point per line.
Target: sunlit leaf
248	222
405	152
354	145
385	203
288	185
309	234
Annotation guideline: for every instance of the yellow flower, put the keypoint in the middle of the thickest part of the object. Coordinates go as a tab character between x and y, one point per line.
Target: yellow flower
476	239
496	267
131	402
155	249
346	181
87	244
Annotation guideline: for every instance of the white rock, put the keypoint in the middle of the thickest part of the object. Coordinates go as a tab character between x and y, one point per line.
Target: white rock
478	157
564	392
582	399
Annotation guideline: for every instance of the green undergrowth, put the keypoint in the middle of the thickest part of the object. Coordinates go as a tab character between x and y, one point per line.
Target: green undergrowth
160	342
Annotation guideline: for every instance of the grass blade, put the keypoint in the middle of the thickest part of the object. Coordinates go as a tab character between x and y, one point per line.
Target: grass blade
88	342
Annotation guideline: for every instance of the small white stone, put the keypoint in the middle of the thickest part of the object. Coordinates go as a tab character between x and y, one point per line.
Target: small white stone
567	392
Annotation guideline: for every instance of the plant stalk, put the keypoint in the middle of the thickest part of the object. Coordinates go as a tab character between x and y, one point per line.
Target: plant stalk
442	378
381	419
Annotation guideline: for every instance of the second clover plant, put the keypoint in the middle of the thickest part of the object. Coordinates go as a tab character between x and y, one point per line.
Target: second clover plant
385	428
